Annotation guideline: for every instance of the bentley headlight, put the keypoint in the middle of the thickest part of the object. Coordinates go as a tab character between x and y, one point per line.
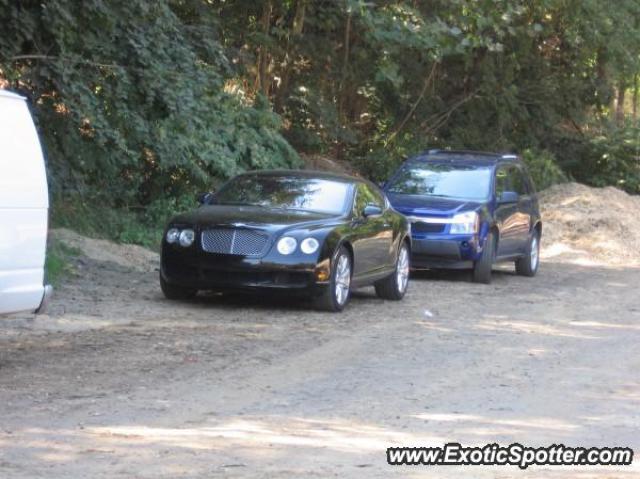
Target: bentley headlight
287	245
172	235
309	245
186	237
465	223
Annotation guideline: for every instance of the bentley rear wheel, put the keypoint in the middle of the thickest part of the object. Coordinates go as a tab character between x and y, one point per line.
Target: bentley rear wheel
336	295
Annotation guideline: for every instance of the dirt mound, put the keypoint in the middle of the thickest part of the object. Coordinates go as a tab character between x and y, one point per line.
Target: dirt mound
590	225
127	255
324	163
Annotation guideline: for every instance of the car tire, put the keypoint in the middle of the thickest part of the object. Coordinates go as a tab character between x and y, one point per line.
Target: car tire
336	295
395	285
528	264
172	291
482	267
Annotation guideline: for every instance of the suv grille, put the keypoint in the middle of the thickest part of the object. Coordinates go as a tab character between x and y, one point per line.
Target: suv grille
422	227
234	241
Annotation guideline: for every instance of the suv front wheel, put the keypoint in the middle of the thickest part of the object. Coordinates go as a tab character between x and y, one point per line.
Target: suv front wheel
482	267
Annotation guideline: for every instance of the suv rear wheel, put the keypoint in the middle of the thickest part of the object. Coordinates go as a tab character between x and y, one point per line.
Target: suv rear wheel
528	264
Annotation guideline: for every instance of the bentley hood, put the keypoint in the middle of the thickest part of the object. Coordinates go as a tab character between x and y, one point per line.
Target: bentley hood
269	219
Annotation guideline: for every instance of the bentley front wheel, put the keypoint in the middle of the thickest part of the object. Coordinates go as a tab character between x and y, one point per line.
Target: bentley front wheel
395	285
336	295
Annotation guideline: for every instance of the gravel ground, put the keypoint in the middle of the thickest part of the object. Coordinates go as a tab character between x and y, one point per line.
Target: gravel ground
119	382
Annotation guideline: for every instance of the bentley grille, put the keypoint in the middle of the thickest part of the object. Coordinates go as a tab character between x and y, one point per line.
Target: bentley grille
234	241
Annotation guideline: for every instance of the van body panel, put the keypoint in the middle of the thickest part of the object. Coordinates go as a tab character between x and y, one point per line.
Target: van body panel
24	208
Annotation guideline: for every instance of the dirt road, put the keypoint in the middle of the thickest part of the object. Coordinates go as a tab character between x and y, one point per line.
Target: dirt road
118	382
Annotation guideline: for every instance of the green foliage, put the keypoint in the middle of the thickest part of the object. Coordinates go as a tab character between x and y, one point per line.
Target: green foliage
614	158
58	261
131	95
141	225
141	103
543	168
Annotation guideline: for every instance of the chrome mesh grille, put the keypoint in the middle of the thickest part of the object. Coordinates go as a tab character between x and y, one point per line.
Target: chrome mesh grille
234	241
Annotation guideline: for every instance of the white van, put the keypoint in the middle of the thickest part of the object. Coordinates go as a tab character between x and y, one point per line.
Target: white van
24	210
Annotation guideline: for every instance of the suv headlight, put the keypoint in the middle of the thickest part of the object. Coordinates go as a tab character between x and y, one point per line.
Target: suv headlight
465	223
287	245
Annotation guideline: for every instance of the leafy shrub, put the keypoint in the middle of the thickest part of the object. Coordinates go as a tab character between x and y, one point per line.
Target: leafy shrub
615	158
543	168
57	263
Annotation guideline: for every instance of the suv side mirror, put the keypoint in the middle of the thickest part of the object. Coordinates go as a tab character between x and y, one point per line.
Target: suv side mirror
508	197
205	198
371	210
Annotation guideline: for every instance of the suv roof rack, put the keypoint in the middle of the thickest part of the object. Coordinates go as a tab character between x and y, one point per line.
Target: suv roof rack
486	154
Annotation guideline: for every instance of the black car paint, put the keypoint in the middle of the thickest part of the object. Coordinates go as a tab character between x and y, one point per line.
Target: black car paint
372	241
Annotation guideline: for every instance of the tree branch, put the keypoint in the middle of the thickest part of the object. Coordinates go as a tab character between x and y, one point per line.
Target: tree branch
427	82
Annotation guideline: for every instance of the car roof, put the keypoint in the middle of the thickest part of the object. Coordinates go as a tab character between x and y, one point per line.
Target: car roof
469	157
321	175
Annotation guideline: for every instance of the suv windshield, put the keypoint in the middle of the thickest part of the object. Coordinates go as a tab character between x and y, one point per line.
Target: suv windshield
462	181
285	192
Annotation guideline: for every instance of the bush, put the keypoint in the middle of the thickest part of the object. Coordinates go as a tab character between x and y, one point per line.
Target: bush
135	225
615	158
543	168
57	263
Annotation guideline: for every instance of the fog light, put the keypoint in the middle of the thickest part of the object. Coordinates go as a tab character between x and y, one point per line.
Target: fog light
322	275
323	272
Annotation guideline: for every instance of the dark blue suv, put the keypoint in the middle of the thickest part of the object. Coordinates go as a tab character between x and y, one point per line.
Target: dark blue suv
468	210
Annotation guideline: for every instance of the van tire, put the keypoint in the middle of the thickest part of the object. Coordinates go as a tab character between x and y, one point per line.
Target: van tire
175	292
482	267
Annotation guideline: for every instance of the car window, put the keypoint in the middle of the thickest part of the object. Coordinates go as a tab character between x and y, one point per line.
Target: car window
442	179
285	192
518	181
367	195
502	181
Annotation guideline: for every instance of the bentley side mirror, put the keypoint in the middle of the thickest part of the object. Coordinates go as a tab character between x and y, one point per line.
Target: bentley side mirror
205	198
508	197
371	210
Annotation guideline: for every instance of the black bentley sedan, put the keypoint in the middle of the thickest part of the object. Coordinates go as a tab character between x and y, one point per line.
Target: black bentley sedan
318	234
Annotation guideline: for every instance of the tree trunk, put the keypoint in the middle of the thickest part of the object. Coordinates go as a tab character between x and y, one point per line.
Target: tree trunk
345	64
619	114
287	63
262	82
634	107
